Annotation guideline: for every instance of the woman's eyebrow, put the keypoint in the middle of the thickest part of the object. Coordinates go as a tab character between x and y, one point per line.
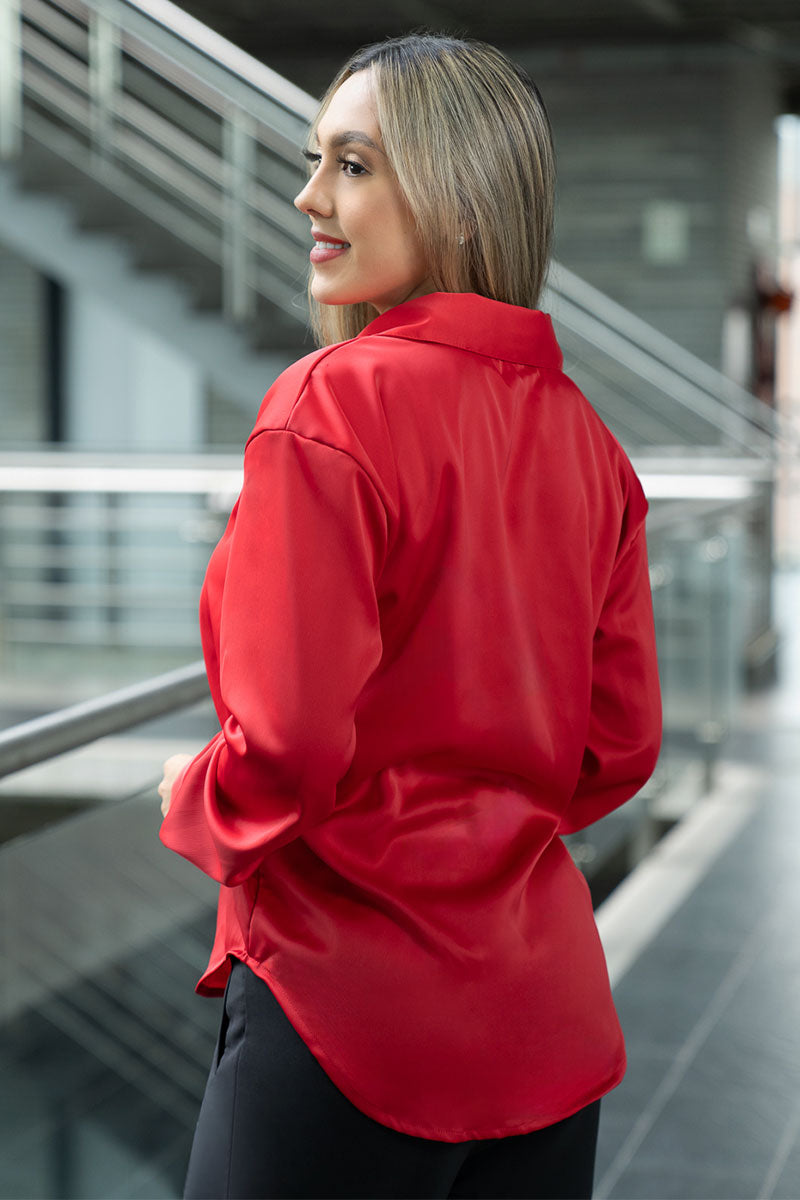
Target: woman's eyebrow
350	136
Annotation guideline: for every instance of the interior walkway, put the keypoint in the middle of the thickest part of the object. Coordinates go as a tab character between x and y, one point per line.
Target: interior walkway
103	1078
710	1106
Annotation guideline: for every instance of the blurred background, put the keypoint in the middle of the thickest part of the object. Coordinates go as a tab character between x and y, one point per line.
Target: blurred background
152	286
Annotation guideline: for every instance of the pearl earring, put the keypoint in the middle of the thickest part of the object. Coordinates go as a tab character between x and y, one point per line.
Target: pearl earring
461	239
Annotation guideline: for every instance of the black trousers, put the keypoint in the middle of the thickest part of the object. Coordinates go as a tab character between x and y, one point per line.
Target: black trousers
273	1126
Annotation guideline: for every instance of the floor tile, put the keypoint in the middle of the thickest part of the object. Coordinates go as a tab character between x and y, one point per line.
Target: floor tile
660	1002
787	1185
621	1108
711	1121
674	1181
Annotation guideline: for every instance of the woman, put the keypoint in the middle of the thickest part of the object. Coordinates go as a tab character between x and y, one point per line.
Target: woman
429	640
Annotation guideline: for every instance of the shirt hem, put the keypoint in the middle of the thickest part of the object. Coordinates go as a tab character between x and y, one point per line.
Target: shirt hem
212	984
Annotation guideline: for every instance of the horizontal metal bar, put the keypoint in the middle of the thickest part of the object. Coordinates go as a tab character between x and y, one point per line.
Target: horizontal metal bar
740	429
65	91
55	25
76	597
703	517
79	724
237	61
176	558
167	636
92	526
164	26
680	360
109	479
183	77
698	460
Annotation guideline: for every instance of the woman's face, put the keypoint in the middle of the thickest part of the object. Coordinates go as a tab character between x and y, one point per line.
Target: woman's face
367	249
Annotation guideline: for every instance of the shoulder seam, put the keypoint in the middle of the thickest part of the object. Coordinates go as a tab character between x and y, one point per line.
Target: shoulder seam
328	350
326	445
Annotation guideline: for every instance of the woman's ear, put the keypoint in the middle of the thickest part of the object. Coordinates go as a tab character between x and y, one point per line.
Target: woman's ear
467	231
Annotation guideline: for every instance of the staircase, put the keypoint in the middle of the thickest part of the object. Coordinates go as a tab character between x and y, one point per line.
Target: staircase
154	162
104	1049
146	159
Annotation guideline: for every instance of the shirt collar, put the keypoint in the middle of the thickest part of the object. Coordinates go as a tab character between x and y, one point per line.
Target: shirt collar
474	323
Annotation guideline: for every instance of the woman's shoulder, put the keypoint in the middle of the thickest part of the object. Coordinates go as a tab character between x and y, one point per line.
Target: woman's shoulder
335	397
349	379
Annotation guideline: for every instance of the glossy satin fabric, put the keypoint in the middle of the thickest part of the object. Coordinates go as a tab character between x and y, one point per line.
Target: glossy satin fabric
429	639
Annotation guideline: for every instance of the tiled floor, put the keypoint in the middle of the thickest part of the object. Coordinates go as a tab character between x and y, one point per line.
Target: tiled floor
708	990
90	1111
710	1107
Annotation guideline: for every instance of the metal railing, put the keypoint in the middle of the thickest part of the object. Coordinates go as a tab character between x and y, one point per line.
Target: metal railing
705	573
176	122
104	553
105	932
650	390
45	737
203	141
99	552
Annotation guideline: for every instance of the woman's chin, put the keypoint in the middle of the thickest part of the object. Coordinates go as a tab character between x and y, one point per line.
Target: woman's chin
325	294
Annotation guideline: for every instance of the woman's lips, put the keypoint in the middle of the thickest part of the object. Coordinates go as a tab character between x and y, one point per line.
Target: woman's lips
327	249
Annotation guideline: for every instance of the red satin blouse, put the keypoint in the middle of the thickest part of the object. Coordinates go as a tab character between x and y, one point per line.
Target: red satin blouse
429	639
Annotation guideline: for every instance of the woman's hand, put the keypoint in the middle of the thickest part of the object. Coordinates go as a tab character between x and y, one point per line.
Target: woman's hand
172	769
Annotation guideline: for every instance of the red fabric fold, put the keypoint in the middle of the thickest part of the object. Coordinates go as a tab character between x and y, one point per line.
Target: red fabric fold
429	639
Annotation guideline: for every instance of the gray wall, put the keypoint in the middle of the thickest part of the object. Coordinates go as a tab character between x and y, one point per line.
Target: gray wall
126	388
22	358
672	141
667	156
667	169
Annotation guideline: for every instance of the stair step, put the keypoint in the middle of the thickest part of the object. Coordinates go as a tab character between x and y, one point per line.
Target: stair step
154	250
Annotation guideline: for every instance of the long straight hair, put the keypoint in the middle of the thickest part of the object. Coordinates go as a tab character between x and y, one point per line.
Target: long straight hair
467	135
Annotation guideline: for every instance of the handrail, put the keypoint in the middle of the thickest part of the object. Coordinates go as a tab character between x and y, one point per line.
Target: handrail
744	430
202	140
228	55
69	728
50	470
187	130
677	358
59	470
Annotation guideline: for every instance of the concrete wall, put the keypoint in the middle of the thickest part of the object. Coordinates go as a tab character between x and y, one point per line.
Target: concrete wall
667	177
667	172
667	195
124	388
23	400
127	389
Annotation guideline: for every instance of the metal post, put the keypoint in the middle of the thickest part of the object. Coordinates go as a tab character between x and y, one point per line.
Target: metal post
10	78
105	77
238	148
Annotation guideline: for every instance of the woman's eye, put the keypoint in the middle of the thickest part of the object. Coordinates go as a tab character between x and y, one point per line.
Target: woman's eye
349	166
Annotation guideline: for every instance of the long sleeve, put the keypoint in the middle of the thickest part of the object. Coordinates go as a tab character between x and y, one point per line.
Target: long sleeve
624	734
299	636
428	635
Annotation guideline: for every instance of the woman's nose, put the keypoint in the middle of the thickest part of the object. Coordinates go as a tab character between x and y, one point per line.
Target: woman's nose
312	199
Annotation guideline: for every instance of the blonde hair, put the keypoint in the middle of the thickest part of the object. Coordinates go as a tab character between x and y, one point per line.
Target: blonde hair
468	137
